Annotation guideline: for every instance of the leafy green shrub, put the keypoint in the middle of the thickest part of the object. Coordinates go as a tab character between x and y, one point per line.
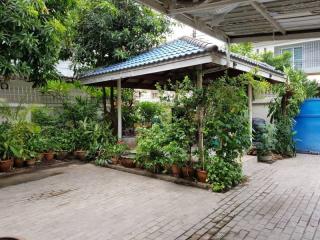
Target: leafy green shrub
149	112
74	112
175	154
44	116
266	140
149	149
223	175
286	106
15	137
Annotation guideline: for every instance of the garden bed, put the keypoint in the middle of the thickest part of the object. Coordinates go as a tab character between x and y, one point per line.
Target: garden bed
38	166
163	177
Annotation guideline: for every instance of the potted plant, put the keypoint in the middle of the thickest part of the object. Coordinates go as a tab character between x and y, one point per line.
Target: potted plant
188	170
177	157
20	155
265	142
117	150
201	169
7	147
127	160
49	146
201	172
32	158
6	162
82	137
63	145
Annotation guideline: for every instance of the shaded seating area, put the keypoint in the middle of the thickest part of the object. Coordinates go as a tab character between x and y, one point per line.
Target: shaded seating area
201	61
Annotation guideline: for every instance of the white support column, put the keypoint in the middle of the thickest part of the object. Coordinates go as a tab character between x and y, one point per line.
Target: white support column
250	109
119	109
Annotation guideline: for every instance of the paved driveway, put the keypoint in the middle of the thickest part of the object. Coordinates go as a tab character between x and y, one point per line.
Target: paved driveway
280	201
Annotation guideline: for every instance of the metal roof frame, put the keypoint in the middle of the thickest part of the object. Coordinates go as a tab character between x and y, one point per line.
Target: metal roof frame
214	61
245	20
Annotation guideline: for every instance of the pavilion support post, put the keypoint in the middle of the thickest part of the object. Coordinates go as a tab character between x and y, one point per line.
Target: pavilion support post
200	113
104	102
250	97
119	109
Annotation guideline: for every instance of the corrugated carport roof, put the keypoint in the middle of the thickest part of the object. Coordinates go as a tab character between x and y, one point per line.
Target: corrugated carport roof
245	20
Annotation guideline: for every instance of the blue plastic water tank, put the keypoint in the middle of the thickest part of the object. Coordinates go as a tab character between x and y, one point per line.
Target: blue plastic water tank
307	127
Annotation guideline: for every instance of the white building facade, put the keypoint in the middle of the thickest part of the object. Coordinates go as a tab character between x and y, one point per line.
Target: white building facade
305	56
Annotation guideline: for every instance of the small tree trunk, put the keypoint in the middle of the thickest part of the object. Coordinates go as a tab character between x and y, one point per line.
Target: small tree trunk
200	120
104	102
113	115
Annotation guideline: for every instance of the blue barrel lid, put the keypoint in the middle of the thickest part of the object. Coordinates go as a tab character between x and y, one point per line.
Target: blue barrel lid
310	107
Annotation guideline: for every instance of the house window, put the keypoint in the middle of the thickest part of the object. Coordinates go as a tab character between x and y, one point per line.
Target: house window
296	56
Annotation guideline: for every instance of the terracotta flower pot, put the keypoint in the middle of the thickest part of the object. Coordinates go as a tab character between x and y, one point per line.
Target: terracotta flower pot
188	172
62	155
6	165
127	162
176	170
80	154
18	163
48	156
31	162
115	160
202	175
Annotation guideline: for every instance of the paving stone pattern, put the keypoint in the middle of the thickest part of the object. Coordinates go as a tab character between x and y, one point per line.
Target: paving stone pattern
279	201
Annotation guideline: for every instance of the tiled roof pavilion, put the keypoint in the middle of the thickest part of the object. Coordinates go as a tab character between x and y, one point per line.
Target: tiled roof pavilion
174	60
201	61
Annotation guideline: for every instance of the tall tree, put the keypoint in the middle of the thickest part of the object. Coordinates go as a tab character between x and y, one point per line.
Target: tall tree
111	31
31	36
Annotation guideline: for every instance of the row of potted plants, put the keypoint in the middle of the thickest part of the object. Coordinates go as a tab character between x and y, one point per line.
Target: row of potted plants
189	172
178	167
25	143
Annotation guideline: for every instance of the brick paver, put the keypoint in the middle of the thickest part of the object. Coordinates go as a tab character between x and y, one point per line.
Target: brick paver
279	201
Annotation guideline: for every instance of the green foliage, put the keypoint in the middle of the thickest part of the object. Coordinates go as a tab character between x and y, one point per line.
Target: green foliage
111	31
118	149
223	175
280	62
226	117
286	107
244	49
162	145
148	112
43	116
14	139
149	150
176	154
73	112
290	95
32	33
266	140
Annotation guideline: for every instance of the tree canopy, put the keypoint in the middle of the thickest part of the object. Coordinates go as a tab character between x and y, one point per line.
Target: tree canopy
34	35
31	37
111	30
280	62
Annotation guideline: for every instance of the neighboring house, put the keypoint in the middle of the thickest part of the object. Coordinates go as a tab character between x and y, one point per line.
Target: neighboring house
305	56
